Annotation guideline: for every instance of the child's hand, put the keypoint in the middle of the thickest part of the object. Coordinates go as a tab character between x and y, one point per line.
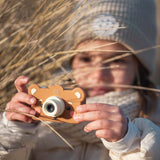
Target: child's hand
21	102
107	120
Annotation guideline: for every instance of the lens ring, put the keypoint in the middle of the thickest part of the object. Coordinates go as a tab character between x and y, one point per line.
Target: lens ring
56	105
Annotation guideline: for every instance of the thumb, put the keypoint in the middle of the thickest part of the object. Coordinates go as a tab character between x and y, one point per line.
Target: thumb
20	84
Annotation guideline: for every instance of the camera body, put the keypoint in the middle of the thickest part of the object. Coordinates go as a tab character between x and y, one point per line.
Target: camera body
56	104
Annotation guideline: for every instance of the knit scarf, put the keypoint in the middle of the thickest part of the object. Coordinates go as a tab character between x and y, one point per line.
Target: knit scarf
127	101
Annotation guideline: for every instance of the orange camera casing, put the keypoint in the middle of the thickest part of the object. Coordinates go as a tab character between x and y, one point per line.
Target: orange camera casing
55	99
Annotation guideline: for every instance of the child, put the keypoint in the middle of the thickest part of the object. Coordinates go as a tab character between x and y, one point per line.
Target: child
108	35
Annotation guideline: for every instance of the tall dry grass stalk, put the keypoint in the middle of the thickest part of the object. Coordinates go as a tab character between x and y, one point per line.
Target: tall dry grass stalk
30	37
32	43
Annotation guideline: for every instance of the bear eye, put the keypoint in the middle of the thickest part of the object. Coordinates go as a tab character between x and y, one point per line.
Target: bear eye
68	108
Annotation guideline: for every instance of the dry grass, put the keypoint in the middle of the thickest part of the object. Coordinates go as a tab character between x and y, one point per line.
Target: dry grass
32	42
31	34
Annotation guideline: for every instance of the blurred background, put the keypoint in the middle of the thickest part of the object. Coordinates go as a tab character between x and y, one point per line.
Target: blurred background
32	43
157	75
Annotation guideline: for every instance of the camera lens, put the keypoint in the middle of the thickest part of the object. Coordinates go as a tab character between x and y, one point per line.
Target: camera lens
53	106
50	108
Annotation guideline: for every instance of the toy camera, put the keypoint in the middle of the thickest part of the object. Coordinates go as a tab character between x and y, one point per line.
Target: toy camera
55	103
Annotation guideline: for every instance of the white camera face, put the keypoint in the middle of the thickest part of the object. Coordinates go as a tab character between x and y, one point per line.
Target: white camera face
53	106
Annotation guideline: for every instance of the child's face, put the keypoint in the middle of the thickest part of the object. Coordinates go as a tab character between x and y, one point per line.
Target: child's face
94	75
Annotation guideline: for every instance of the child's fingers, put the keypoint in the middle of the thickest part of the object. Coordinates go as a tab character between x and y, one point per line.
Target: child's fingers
20	103
97	106
18	107
104	127
97	115
12	110
99	124
20	84
22	97
19	117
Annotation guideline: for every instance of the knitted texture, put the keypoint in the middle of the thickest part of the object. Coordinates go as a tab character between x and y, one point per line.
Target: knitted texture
132	23
126	100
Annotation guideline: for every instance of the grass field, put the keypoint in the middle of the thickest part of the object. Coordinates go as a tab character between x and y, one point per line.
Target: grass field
32	42
31	38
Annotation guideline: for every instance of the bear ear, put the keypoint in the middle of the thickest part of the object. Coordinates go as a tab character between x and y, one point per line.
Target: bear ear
79	93
33	89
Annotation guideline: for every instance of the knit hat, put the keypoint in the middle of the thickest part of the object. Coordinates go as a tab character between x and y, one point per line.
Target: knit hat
131	23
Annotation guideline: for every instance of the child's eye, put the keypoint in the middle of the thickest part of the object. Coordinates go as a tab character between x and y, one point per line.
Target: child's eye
118	62
85	59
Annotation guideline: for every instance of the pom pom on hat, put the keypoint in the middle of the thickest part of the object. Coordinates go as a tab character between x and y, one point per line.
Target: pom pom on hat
131	23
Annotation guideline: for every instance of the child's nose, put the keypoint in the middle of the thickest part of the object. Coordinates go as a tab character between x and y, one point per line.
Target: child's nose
100	73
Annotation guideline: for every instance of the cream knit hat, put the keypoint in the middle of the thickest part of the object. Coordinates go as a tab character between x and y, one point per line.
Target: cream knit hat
132	23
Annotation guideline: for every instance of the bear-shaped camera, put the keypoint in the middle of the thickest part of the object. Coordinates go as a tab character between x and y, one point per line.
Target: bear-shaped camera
55	103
